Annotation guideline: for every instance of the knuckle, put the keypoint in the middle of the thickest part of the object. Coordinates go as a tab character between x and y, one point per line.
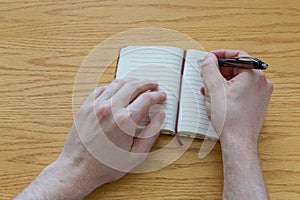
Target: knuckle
86	109
123	118
147	97
105	110
93	94
83	111
133	84
121	81
100	88
89	107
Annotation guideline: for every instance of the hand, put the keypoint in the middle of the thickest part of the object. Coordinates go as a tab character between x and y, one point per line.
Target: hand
106	122
117	109
236	99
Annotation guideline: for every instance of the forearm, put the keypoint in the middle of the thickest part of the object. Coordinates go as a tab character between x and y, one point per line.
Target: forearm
243	178
59	180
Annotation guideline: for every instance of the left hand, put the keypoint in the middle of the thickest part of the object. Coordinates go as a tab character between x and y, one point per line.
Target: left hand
118	109
105	125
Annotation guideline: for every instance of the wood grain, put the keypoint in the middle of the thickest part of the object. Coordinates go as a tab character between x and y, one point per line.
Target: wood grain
44	42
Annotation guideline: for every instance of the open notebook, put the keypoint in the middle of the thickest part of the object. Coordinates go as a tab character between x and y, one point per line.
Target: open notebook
178	73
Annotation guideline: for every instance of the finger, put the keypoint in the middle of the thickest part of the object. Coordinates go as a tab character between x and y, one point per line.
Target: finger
207	101
205	92
131	90
207	96
96	93
114	87
223	53
140	107
130	118
230	72
211	73
149	135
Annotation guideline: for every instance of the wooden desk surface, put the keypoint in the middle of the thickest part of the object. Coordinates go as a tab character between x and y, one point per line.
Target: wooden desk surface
43	44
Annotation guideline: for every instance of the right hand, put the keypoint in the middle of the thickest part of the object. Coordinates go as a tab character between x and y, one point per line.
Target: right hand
236	99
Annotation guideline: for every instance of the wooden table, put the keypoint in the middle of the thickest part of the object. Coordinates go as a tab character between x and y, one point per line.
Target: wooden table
43	44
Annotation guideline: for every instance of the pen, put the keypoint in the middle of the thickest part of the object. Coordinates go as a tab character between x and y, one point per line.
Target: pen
243	62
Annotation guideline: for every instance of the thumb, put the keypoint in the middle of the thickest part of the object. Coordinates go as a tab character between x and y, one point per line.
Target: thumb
148	136
210	72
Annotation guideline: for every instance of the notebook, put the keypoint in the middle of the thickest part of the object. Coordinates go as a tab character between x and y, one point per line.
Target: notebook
177	72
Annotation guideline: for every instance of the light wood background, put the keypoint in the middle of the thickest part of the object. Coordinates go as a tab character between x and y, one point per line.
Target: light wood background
43	44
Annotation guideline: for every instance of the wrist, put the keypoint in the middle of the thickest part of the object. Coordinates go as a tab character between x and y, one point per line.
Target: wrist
242	168
72	179
59	180
82	172
237	143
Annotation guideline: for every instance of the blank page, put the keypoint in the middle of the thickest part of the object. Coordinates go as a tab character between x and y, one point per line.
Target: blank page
159	63
192	112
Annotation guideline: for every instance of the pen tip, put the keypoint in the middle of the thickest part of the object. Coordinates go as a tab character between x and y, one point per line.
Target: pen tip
265	65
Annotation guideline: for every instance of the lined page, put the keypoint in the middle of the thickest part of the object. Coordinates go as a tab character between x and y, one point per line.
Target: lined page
192	112
159	63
